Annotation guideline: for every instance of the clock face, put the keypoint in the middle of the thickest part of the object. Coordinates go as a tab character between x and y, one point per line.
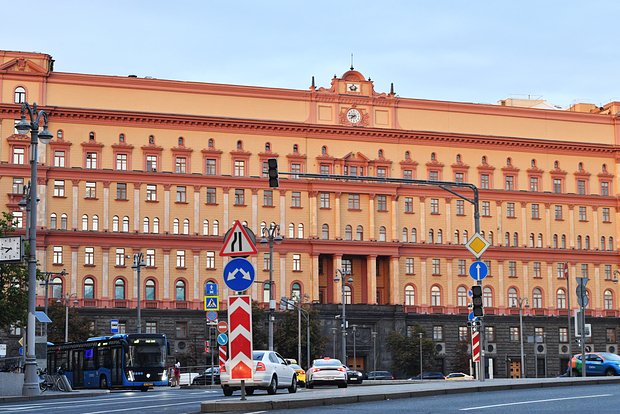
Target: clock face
10	249
354	116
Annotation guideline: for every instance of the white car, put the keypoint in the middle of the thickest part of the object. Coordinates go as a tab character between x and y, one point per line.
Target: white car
326	371
271	372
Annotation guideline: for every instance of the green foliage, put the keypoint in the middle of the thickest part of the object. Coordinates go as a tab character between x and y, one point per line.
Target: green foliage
259	327
463	357
13	285
286	334
406	352
79	329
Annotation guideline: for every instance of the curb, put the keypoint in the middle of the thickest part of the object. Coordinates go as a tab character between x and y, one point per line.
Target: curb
311	401
51	396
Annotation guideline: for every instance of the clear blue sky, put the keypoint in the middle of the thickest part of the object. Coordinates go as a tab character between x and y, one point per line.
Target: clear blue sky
461	50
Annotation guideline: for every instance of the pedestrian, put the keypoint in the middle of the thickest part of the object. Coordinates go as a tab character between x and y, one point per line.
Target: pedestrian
171	377
177	373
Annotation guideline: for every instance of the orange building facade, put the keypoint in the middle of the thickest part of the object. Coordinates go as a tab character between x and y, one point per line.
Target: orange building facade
164	168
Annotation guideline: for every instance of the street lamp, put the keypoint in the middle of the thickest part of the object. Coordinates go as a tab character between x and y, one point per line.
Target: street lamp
374	350
294	302
31	380
46	283
521	302
354	328
341	277
270	235
65	300
421	334
334	330
138	263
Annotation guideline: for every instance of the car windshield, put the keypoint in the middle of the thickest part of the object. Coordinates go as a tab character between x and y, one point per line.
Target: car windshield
295	366
327	363
610	357
257	355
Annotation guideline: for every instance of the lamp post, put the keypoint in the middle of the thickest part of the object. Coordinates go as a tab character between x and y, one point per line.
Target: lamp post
294	301
354	328
374	350
46	283
522	302
138	263
570	345
421	365
270	235
65	300
341	276
31	380
334	330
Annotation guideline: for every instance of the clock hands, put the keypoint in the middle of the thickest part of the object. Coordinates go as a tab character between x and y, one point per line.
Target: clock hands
7	249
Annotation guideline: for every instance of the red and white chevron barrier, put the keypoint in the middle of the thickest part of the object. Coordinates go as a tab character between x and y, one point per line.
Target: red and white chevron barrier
223	355
475	346
240	325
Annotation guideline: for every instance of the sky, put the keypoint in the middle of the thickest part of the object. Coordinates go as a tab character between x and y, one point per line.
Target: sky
451	50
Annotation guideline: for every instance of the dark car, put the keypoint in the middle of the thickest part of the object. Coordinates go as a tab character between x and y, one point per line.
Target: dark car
205	377
380	375
430	376
353	376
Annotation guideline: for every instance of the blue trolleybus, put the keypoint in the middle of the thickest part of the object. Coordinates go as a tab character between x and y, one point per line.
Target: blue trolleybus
129	361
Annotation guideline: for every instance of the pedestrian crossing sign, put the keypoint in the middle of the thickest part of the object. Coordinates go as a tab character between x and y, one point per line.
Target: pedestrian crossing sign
212	303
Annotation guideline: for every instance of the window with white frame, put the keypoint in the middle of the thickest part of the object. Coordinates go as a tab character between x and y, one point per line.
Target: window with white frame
210	260
181	194
121	162
436	266
150	258
239	168
91	160
57	255
59	158
435	296
20	95
297	263
120	257
324	200
409	265
59	188
89	256
180	165
180	258
461	296
91	189
434	206
151	163
409	295
151	192
19	155
295	199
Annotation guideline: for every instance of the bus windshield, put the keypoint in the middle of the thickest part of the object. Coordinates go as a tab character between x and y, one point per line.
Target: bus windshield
146	353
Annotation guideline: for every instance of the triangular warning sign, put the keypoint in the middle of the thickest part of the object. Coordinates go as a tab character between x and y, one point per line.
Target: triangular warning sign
237	242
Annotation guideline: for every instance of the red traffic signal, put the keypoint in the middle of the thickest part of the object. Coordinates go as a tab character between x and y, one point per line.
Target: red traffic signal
207	346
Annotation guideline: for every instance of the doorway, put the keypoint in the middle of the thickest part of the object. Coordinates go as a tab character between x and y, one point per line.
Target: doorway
515	369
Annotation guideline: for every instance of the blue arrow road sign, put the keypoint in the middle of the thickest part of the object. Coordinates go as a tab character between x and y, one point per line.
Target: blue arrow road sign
222	339
471	317
478	270
211	289
239	274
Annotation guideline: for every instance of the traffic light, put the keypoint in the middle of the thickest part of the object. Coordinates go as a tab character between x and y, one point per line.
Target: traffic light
476	296
272	163
207	347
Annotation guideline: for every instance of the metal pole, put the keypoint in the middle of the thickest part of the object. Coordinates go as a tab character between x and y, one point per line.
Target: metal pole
139	304
66	318
308	364
582	321
570	345
521	336
138	263
421	365
211	348
47	282
299	335
374	350
354	327
344	318
271	304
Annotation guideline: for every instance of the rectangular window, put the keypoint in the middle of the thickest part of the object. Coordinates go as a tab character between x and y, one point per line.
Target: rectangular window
210	260
121	191
610	335
436	266
295	199
181	330
489	333
510	210
239	197
462	267
381	172
180	258
459	177
559	215
180	165
324	200
407	174
210	166
434	206
151	163
460	207
211	195
557	185
19	154
512	269
89	256
239	170
581	187
381	203
18	219
268	198
121	162
539	334
605	214
584	270
486	209
296	263
433	175
537	270
463	334
582	214
607	272
120	257
324	169
151	327
150	257
59	159
181	194
408	204
295	169
59	188
604	188
91	160
91	190
354	201
437	333
151	192
514	334
18	185
409	265
484	181
535	211
533	183
265	169
57	259
563	334
266	261
510	183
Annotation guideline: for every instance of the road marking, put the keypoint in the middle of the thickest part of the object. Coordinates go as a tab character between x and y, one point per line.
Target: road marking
255	412
533	402
142	407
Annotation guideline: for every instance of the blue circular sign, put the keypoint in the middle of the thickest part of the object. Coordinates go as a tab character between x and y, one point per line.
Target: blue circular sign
239	274
222	339
211	316
478	270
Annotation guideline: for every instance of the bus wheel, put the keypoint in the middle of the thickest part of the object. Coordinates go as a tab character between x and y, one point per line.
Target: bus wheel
103	383
144	389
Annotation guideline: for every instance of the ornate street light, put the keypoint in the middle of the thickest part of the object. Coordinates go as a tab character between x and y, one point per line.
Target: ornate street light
66	300
341	277
138	263
270	235
521	302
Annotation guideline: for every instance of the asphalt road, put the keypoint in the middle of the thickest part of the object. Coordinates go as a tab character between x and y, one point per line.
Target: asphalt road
598	399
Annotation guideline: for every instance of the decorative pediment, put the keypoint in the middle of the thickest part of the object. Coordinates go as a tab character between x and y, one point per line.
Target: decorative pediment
23	65
359	157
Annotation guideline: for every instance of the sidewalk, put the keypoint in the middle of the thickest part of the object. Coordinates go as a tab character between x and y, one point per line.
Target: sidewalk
397	389
50	395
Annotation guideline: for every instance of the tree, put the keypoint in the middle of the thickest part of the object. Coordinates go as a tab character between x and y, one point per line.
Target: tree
286	335
79	329
259	327
463	357
13	285
405	352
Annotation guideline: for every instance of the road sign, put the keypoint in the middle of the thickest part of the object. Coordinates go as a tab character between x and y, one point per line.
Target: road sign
582	293
478	270
114	326
212	316
475	346
223	355
222	327
239	274
477	245
211	289
222	339
237	242
471	317
212	303
240	322
2	350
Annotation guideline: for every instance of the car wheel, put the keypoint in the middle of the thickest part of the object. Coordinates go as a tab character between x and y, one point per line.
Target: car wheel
273	386
361	381
309	385
249	391
227	391
610	372
342	384
293	388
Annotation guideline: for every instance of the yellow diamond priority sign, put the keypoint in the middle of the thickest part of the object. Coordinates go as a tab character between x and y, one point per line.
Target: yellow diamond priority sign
477	245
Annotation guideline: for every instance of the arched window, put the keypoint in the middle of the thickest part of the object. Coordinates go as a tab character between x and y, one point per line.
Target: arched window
211	143
608	300
205	227
57	287
267	147
20	95
186	226
556	165
487	297
348	295
580	166
512	298
602	243
560	299
291	231
414	235
216	228
461	296
509	161
490	239
300	231
359	233
604	168
95	223
380	153
483	160
515	239
179	290
507	239
149	290
91	136
539	240
59	134
405	235
431	236
119	289
382	234
325	232
152	139
435	296
84	222
53	223
610	246
348	232
146	225
181	142
531	240
239	145
121	138
115	224
587	245
409	295
564	241
323	150
555	241
155	225
533	163
89	288
537	299
439	236
296	292
458	158
433	156
175	226
465	236
456	237
295	148
579	246
125	224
